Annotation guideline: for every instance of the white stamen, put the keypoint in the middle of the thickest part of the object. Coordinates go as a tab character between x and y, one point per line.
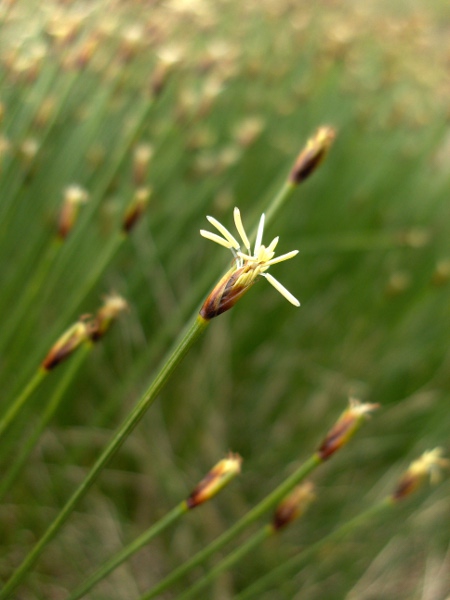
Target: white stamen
259	235
240	227
215	238
280	288
247	257
224	231
281	258
273	244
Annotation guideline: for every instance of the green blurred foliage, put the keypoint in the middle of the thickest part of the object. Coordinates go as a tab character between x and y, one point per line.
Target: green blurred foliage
223	95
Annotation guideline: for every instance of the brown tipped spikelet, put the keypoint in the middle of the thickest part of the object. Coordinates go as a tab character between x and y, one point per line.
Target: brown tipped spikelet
66	345
226	293
344	428
293	506
135	209
219	476
312	155
74	196
106	315
141	159
428	465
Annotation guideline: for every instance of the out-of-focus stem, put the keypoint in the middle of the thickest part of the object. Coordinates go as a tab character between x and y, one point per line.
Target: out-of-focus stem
256	540
129	550
291	566
253	515
186	341
21	399
52	406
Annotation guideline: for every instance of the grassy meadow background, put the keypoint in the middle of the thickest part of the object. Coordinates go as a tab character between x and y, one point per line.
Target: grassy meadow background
222	96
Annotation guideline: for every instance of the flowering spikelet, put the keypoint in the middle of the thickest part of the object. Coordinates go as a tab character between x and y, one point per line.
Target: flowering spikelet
135	209
293	506
344	428
312	154
66	345
247	268
219	476
428	465
106	315
74	196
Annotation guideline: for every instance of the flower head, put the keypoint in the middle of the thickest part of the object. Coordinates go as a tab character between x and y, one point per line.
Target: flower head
345	427
247	268
428	465
217	478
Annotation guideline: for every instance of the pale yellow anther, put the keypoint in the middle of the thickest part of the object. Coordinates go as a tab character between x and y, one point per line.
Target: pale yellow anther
224	231
215	238
240	227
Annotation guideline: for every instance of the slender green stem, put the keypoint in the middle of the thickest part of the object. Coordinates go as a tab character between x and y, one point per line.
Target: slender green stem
277	203
94	275
287	569
253	515
52	406
21	399
22	307
77	298
188	338
129	550
228	562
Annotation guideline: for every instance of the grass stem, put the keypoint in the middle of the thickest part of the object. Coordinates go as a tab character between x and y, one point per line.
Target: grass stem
286	570
52	406
268	503
186	341
129	550
21	399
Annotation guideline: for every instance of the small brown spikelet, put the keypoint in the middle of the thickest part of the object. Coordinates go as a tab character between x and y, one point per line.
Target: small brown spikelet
135	209
344	428
74	196
219	476
106	315
66	345
294	505
312	155
225	294
428	465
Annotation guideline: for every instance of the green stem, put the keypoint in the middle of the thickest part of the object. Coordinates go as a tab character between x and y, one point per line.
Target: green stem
253	515
129	550
256	540
21	399
94	275
22	307
192	333
279	200
52	406
286	570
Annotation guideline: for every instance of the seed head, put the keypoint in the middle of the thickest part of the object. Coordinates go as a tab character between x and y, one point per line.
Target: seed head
74	197
135	209
66	344
313	154
294	505
219	476
428	465
345	428
106	315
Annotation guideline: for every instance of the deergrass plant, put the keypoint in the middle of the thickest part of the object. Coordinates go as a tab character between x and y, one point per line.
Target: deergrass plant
122	126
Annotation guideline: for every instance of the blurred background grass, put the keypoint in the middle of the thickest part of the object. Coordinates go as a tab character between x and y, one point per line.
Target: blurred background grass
225	94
